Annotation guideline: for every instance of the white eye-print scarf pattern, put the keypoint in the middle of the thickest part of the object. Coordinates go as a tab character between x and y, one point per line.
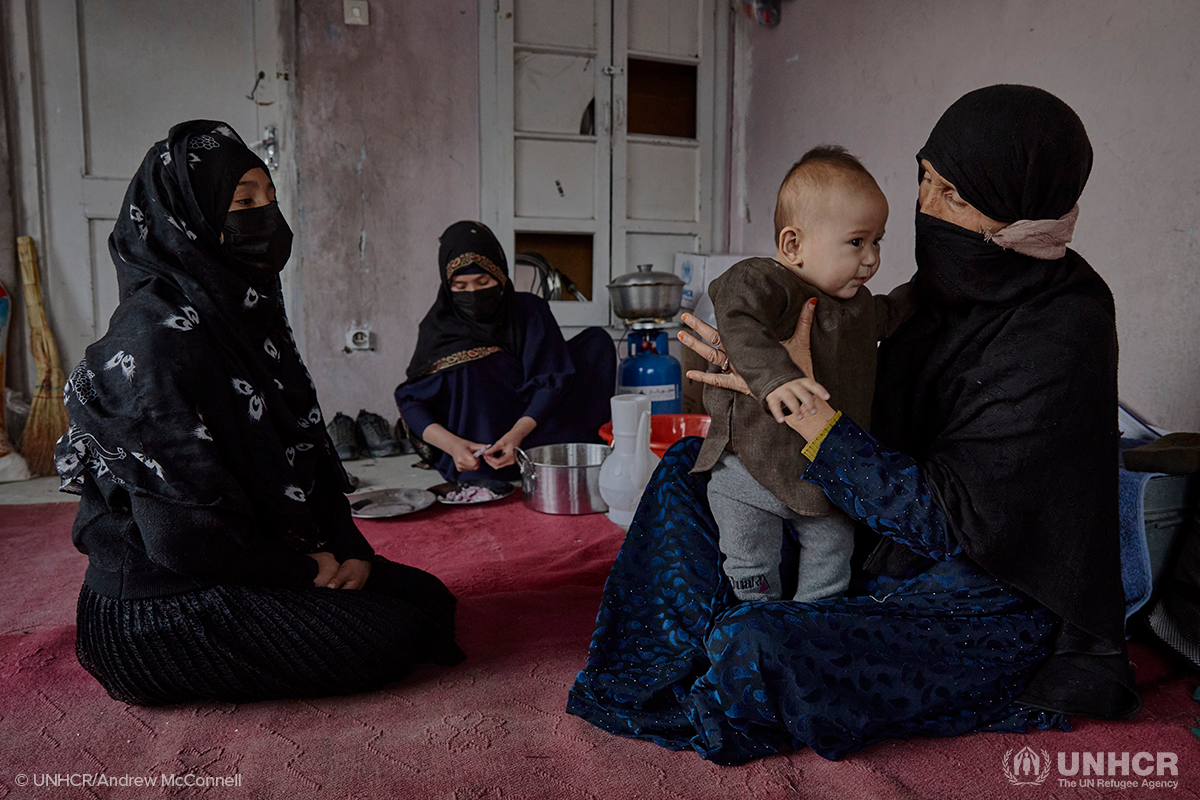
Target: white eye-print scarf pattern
197	392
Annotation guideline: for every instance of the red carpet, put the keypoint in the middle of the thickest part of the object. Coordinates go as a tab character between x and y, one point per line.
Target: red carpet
492	727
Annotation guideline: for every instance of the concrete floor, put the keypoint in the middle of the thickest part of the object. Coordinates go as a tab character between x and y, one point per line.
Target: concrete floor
397	472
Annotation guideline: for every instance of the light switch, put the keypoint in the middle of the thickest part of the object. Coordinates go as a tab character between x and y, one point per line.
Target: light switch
356	12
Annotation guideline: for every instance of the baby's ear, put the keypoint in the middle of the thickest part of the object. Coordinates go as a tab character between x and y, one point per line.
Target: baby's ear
791	246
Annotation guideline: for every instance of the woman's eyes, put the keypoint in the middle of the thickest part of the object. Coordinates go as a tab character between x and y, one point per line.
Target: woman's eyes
955	200
949	191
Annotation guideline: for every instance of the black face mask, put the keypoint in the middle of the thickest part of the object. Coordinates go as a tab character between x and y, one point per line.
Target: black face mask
481	304
257	239
957	267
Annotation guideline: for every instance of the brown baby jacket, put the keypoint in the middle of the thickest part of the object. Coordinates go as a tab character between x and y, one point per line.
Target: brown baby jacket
757	304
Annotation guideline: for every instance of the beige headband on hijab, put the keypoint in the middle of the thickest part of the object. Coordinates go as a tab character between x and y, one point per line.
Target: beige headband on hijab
1041	238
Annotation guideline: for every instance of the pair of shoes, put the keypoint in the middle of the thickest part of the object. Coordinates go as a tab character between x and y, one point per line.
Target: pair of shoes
370	433
375	432
344	434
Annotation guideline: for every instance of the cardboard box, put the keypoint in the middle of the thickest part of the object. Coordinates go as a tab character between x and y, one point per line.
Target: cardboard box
698	270
689	267
717	264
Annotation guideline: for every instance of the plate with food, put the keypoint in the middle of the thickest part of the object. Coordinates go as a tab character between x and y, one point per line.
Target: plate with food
472	492
383	503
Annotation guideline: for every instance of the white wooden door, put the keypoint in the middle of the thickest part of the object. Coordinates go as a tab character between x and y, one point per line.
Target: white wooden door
641	196
550	58
662	194
110	78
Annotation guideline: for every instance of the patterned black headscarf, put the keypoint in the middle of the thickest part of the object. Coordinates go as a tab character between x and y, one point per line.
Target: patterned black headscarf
197	393
449	335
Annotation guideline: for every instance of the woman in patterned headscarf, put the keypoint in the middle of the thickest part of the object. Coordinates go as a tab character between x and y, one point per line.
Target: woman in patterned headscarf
491	371
211	507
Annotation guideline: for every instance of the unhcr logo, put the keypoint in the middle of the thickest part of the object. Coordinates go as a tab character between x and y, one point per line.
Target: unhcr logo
1028	767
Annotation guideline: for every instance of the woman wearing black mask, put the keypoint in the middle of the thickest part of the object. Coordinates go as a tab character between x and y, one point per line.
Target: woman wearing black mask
211	507
491	371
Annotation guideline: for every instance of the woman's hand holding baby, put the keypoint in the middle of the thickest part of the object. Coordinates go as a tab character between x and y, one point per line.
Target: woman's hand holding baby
707	343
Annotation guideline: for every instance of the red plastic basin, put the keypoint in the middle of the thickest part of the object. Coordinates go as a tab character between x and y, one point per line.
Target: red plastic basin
667	429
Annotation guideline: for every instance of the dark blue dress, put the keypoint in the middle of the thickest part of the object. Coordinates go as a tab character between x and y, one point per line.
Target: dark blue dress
564	386
675	660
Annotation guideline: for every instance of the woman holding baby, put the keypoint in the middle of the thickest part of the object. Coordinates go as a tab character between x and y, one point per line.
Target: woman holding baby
986	590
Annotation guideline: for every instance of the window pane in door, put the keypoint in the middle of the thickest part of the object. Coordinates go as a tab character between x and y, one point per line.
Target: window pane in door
568	253
569	23
554	178
662	98
663	181
552	93
185	67
665	27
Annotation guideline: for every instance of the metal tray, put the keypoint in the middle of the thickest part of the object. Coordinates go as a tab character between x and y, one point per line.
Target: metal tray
500	488
383	503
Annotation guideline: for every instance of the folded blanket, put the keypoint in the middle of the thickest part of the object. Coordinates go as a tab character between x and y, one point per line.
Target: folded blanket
1135	553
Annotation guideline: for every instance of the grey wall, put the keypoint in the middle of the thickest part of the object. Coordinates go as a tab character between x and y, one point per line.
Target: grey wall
387	155
863	74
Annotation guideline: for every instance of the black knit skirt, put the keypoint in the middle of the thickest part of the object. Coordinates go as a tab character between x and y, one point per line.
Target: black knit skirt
239	643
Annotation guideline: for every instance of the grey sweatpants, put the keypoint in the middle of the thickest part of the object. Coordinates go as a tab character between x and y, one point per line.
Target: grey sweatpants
750	522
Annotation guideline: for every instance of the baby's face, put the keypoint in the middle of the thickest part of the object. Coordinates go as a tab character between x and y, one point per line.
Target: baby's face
840	247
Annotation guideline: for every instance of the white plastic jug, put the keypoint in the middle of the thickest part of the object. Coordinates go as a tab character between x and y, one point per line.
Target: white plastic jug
627	470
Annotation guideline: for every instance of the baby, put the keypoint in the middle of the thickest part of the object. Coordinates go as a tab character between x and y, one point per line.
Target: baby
829	220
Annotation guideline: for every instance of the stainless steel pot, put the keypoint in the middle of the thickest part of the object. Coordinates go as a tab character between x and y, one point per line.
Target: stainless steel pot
646	294
563	478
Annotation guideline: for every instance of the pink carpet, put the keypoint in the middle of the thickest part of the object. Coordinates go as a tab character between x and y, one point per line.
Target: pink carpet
492	727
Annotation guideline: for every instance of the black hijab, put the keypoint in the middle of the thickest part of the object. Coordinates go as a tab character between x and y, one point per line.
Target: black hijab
451	335
1003	384
197	393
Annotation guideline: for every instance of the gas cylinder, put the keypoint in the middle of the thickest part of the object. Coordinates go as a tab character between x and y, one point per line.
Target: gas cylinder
651	371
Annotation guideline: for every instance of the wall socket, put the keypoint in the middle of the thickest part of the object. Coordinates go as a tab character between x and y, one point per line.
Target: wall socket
358	337
356	12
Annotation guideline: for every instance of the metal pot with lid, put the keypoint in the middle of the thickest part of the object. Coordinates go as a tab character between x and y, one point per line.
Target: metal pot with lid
646	294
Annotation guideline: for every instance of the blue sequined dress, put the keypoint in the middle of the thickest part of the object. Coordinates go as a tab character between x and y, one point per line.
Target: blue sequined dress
677	661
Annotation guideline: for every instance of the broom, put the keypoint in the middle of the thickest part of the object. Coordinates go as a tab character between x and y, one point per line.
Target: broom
47	414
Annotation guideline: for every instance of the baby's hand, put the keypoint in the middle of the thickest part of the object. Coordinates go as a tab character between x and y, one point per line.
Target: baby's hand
795	397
